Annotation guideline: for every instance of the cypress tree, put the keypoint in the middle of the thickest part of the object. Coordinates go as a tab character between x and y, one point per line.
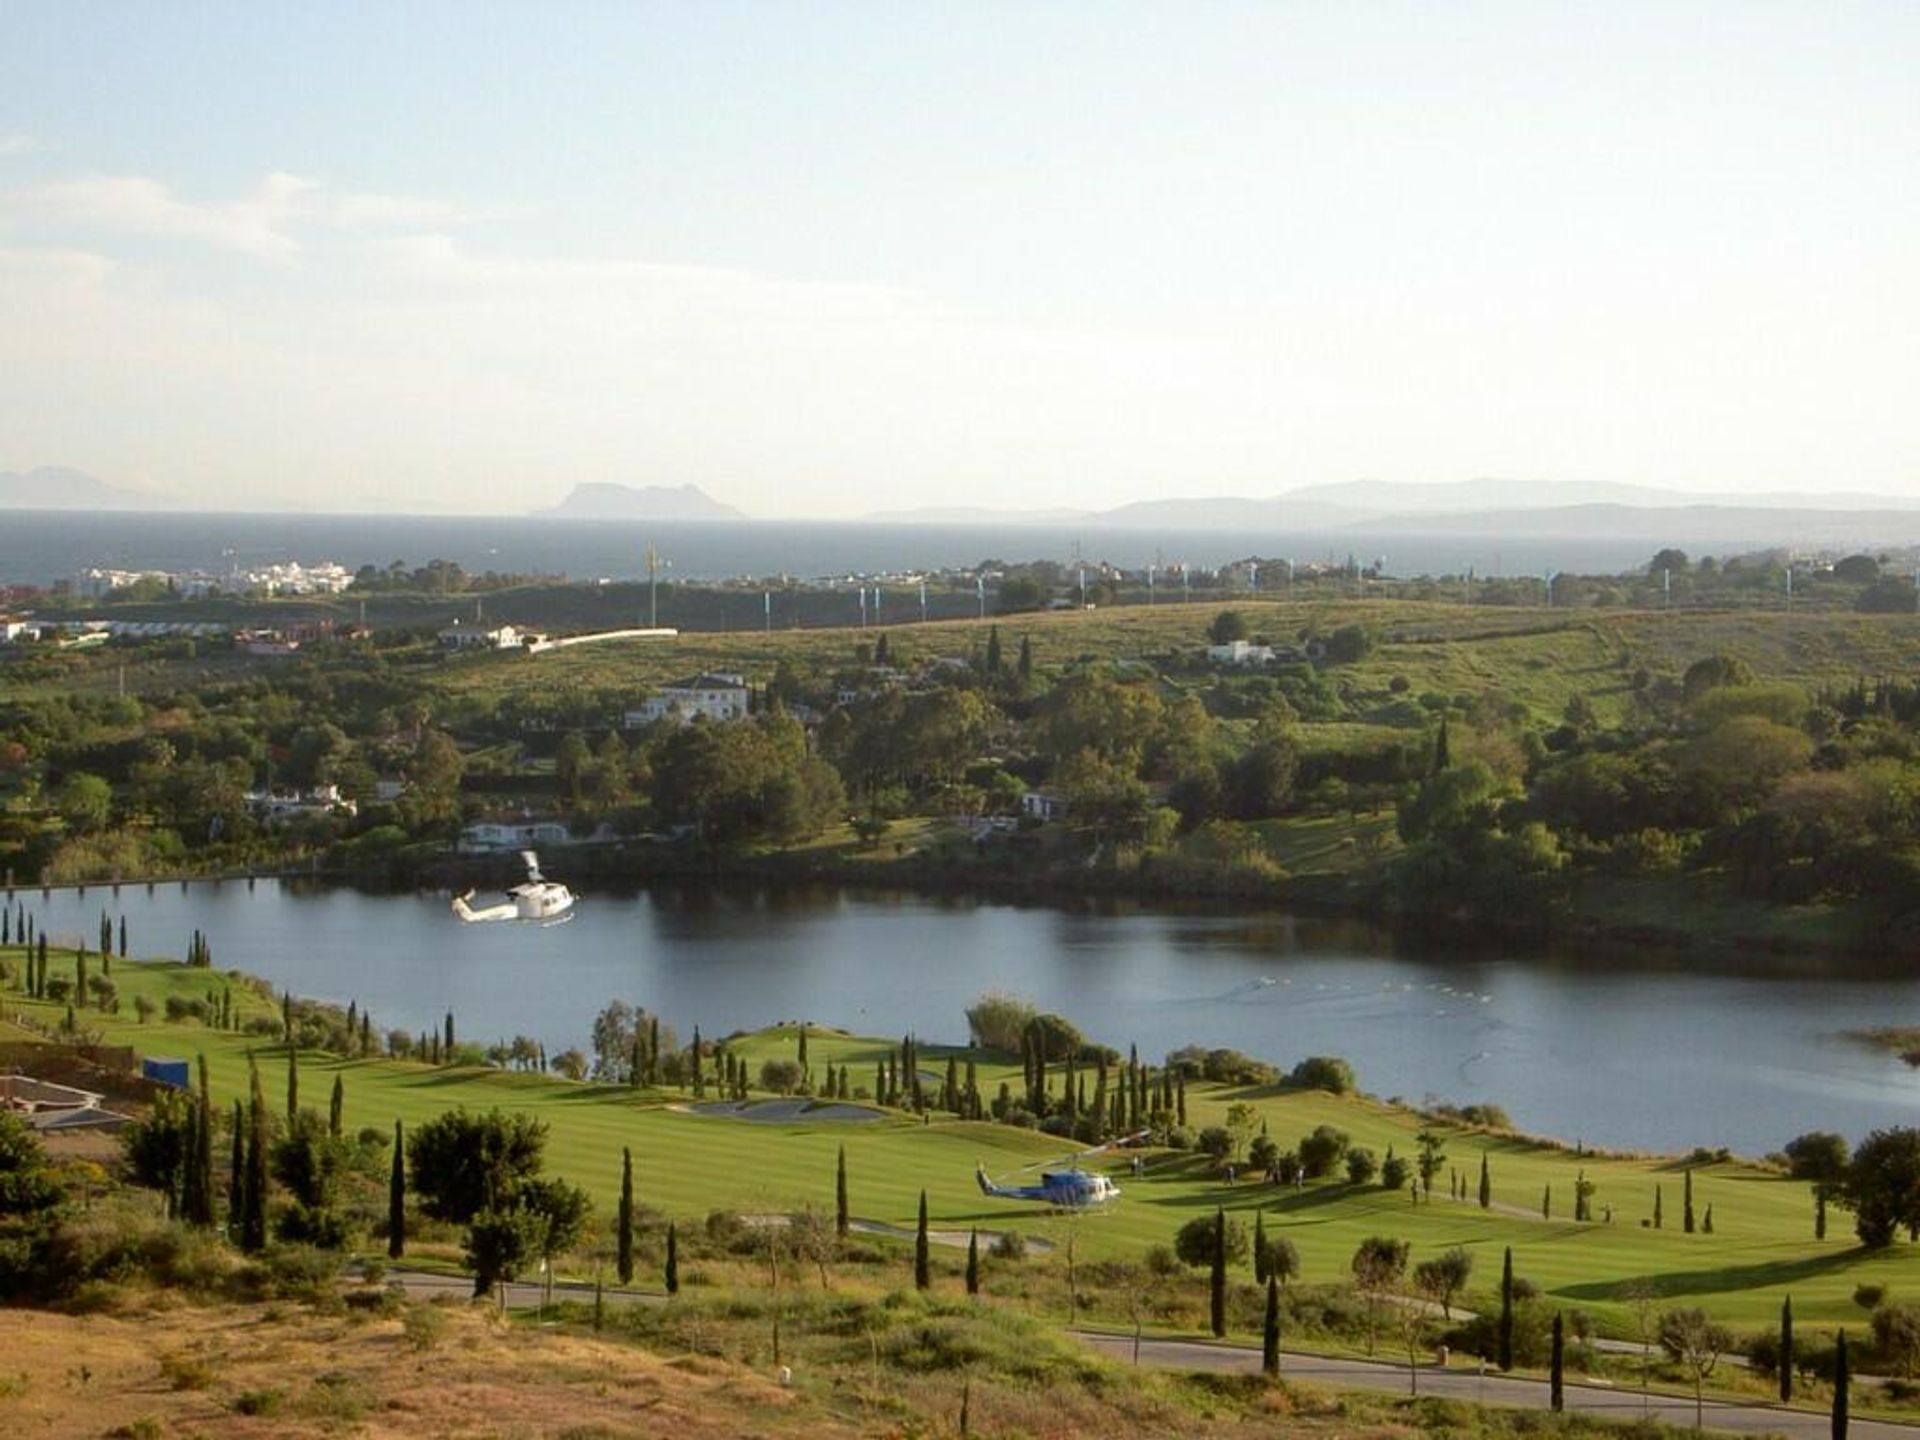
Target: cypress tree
337	1107
1840	1378
653	1049
993	651
1486	1183
1217	1276
237	1173
1786	1350
699	1066
842	1220
1656	1207
1819	1212
253	1220
1270	1330
973	1262
1026	658
1706	1221
1556	1373
293	1084
123	937
1686	1211
623	1232
41	946
397	1196
1260	1271
805	1069
922	1261
1180	1102
1442	751
446	1048
1505	1353
286	1018
80	976
366	1033
1546	1203
181	1193
197	1203
673	1259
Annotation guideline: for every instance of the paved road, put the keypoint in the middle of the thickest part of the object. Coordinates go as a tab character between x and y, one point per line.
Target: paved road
1459	1382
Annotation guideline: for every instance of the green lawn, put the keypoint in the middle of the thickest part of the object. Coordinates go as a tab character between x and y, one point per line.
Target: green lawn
1762	1247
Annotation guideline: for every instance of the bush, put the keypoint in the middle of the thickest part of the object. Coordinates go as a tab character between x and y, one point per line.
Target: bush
423	1325
782	1077
1323	1072
1395	1171
1869	1296
1008	1245
1361	1166
184	1371
1896	1338
1193	1243
1226	1067
258	1402
1321	1151
998	1020
1216	1142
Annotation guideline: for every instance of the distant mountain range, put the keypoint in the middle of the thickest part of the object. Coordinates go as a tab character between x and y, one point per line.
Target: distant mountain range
604	500
1363	509
58	487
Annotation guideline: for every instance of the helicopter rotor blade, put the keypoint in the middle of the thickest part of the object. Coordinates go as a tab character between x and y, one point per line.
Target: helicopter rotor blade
1112	1144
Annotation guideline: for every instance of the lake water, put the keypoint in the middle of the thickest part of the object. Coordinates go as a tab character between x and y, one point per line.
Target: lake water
1629	1051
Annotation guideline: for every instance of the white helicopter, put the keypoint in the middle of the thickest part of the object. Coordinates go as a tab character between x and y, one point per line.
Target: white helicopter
538	899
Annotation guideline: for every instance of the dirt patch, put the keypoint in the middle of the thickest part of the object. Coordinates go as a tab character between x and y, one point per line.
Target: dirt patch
252	1371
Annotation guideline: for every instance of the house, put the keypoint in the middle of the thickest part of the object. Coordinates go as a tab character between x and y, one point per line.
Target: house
1043	805
718	696
477	637
1240	652
485	836
275	808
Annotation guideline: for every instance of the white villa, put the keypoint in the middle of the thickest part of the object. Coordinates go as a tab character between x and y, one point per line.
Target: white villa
718	696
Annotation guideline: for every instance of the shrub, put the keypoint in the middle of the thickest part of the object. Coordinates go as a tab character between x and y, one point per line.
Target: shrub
184	1371
1361	1166
1323	1072
1008	1245
1395	1171
782	1077
258	1402
1193	1243
1321	1151
1869	1296
423	1325
1216	1141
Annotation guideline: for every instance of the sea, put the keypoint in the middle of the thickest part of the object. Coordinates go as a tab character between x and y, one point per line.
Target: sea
38	547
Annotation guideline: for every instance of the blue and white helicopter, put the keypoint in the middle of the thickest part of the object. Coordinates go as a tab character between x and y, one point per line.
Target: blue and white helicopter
1074	1189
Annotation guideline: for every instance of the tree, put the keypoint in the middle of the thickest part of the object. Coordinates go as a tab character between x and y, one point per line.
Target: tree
1786	1350
1504	1357
1321	1150
1882	1186
499	1244
1840	1382
1444	1277
1270	1331
293	1078
27	1184
1217	1276
1556	1367
672	1272
1896	1337
464	1164
1686	1202
1819	1156
253	1219
1433	1155
842	1220
1486	1183
999	1020
922	1260
1669	559
336	1107
84	801
1696	1343
1227	627
397	1197
623	1222
973	1262
1378	1265
1196	1242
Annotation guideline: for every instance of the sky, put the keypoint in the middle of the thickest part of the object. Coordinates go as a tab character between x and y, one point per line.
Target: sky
823	259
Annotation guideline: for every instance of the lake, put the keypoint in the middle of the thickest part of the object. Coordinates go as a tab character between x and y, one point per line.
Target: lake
1632	1051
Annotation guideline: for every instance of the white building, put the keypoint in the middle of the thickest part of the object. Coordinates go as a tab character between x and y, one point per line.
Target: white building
477	637
1240	652
718	696
486	836
1043	805
272	807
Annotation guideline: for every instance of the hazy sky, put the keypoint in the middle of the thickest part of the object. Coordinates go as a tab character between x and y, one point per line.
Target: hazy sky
824	258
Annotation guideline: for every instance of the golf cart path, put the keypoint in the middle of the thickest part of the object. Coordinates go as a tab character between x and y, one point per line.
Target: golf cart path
1460	1382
